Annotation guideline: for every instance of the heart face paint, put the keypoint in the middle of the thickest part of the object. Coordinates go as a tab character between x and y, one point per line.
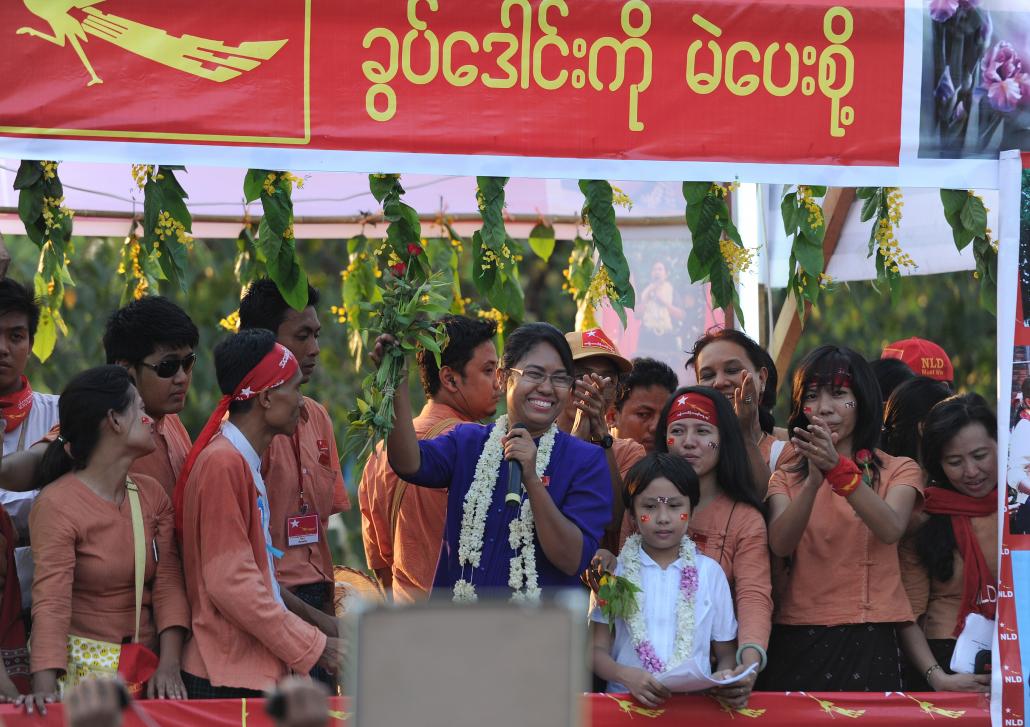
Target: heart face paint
645	518
684	516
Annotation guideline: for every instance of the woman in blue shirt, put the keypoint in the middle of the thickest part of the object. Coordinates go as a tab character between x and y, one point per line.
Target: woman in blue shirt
547	533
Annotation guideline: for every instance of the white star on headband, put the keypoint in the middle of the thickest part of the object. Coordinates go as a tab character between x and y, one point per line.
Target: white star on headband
247	392
682	400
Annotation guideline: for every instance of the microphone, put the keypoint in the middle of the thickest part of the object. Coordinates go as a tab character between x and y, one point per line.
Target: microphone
514	496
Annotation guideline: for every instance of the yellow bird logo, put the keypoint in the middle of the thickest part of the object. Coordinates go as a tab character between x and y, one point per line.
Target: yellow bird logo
202	57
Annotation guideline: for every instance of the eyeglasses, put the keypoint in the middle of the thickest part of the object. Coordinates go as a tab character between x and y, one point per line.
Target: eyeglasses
170	366
535	376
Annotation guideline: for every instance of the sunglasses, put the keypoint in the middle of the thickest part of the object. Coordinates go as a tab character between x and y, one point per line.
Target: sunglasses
170	366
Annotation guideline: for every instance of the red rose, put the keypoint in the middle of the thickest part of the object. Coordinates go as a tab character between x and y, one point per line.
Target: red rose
601	602
863	458
414	249
398	269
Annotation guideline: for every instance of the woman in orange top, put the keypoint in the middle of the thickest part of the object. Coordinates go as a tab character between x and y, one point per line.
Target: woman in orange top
727	525
949	566
839	524
737	367
82	537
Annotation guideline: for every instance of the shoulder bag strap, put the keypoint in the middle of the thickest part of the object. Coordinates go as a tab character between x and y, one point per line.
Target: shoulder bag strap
398	492
139	547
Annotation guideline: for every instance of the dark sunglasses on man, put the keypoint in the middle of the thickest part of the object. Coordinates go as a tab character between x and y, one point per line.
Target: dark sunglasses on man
170	366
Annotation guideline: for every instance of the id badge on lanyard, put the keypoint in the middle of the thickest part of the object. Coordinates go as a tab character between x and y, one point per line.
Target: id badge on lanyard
301	527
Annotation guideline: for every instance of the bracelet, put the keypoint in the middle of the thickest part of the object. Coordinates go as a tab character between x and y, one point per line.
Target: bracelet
931	670
845	477
763	658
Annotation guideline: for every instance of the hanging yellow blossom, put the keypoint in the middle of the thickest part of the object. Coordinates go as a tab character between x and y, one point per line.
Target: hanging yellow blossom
825	281
492	314
815	212
887	245
142	173
339	312
724	189
49	169
231	322
738	259
168	227
620	198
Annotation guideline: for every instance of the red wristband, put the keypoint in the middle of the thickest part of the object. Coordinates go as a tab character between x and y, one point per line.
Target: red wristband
845	477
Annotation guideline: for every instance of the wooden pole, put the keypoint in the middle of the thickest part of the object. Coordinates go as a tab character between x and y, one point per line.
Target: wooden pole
787	331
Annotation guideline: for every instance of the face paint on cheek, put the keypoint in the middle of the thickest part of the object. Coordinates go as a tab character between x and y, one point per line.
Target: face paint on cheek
684	516
645	518
807	410
669	442
850	404
713	445
146	420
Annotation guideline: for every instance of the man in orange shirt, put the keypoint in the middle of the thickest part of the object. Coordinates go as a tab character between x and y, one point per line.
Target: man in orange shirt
302	471
402	526
155	339
244	637
599	366
642	394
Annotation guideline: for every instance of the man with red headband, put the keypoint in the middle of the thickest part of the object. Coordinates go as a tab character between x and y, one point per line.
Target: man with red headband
244	637
302	471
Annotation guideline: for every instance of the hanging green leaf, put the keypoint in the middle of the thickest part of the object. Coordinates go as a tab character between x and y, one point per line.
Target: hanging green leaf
495	256
275	245
599	212
167	223
541	240
966	213
885	204
717	253
48	223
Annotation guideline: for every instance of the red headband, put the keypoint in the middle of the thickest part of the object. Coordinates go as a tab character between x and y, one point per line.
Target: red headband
277	367
838	379
693	406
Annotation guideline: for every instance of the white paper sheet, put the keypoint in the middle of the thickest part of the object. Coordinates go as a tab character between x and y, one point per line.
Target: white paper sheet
689	677
976	636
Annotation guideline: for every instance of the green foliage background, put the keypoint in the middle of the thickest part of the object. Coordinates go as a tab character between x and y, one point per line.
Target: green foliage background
942	308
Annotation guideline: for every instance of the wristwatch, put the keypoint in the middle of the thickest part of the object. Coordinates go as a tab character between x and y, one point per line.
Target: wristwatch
604	442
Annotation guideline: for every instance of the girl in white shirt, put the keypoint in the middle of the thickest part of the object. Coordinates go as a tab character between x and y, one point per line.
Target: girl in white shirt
684	610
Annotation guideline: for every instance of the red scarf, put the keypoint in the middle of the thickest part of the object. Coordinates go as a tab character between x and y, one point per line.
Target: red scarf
975	576
275	369
16	408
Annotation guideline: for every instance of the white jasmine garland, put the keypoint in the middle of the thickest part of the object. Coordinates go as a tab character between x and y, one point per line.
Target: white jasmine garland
630	559
522	577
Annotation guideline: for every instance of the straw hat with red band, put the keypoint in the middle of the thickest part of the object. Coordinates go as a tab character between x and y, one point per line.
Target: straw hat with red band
693	405
595	342
924	357
277	367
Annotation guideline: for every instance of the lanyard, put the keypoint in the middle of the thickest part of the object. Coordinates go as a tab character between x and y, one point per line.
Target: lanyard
295	441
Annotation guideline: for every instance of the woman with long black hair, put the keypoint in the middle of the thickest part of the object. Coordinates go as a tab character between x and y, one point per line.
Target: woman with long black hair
948	565
84	541
837	508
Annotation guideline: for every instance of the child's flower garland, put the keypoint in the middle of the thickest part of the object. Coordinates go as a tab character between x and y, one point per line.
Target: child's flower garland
522	577
630	560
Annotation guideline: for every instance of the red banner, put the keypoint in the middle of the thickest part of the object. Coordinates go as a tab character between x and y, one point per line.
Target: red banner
609	710
811	81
